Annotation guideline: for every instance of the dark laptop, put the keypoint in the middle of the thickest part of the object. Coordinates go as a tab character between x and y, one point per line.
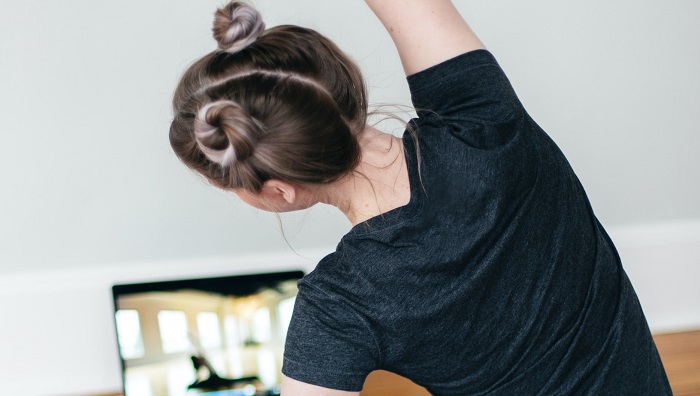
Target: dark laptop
213	336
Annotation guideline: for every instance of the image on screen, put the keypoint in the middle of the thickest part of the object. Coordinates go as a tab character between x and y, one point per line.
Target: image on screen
213	336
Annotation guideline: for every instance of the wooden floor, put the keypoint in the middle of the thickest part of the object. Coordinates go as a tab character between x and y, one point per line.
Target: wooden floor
680	353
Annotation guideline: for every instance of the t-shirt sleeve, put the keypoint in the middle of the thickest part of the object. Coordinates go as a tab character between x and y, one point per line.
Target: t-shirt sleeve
470	96
328	344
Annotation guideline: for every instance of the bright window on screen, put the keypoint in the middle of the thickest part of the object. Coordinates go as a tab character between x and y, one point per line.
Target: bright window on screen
261	325
173	331
208	326
231	329
129	331
285	309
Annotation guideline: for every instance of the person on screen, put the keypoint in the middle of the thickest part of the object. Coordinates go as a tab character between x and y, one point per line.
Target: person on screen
475	263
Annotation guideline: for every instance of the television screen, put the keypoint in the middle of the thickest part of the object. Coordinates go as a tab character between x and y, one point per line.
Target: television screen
213	336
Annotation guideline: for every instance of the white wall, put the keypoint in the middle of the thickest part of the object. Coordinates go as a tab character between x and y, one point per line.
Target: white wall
91	193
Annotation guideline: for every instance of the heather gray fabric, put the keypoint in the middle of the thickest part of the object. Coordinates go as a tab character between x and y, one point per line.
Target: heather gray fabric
495	279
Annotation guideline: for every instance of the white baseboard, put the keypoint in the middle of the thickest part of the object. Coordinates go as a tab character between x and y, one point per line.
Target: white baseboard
57	325
663	262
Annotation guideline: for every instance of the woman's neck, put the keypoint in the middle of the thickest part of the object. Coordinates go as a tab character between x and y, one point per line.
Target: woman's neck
380	182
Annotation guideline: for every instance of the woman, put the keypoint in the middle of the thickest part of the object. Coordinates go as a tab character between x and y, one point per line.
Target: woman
475	264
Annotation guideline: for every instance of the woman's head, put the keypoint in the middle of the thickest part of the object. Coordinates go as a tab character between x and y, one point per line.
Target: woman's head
283	103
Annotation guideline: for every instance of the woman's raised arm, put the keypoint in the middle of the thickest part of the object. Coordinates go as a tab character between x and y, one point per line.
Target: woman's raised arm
425	32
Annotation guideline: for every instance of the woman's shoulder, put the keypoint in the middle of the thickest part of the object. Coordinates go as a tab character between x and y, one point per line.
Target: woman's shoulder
459	64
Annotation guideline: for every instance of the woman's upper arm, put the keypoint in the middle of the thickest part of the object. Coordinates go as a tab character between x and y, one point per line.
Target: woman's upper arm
425	32
292	387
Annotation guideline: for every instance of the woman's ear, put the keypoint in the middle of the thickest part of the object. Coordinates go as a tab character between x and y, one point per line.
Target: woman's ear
279	192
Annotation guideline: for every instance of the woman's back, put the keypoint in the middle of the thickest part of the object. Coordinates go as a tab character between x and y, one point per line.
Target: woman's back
496	278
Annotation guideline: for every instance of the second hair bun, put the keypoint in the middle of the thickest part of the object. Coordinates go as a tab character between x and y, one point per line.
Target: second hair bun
236	26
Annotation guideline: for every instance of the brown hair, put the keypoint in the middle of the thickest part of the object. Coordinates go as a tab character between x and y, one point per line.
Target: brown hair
283	103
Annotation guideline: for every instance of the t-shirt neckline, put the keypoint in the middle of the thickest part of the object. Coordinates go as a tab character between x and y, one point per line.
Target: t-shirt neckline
396	217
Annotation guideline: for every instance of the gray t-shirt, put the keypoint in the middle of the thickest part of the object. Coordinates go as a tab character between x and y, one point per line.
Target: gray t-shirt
495	278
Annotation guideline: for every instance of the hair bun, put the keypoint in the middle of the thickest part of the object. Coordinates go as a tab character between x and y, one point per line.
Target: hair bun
225	132
236	26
